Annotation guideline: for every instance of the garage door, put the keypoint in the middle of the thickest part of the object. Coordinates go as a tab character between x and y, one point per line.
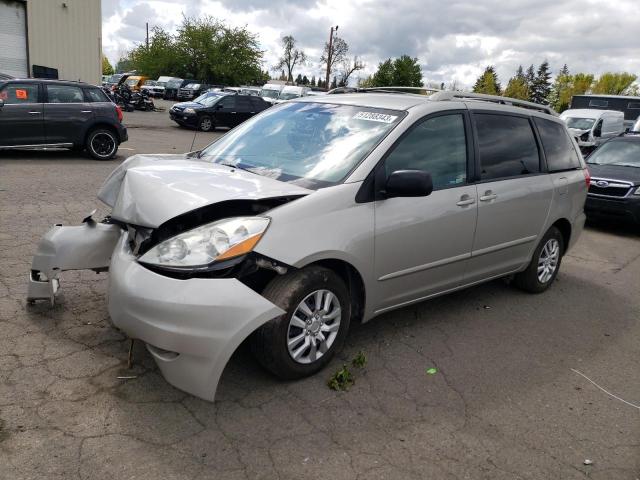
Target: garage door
13	39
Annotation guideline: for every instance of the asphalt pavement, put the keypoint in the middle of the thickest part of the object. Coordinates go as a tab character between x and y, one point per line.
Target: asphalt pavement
487	383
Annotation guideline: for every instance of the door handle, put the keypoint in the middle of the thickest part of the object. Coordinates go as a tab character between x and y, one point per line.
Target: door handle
234	112
86	111
35	113
488	196
466	200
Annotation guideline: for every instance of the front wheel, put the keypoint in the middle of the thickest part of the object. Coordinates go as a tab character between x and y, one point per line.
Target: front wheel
205	124
544	265
303	340
102	144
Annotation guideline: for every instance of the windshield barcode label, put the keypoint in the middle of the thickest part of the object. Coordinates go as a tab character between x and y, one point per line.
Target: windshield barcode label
375	117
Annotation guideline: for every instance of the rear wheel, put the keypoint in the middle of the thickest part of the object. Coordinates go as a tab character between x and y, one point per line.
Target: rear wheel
544	265
205	124
102	144
302	341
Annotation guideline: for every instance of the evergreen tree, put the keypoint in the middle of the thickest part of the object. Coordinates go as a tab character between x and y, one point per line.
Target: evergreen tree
313	81
518	86
407	72
299	79
488	82
384	75
542	84
334	83
561	90
530	77
305	80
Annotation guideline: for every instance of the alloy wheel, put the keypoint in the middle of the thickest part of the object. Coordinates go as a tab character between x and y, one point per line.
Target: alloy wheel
314	326
548	260
103	144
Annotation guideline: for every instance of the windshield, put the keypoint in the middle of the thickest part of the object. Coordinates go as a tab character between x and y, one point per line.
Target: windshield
174	83
208	99
151	83
270	93
114	78
288	95
580	123
132	82
313	145
636	127
622	153
193	86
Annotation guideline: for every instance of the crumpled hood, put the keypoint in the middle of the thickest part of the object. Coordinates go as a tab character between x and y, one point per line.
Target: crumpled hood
148	190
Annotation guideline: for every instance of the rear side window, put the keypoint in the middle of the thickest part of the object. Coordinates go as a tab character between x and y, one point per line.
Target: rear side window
598	103
438	146
64	94
228	102
558	147
244	104
18	93
96	95
257	102
507	146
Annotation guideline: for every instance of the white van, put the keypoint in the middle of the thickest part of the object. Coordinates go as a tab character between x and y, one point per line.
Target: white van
592	127
271	91
290	92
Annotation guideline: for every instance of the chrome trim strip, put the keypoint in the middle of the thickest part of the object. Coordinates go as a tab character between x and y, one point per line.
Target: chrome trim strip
426	266
612	184
43	145
502	246
444	292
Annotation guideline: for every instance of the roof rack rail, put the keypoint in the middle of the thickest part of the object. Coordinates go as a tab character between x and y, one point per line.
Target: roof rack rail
454	95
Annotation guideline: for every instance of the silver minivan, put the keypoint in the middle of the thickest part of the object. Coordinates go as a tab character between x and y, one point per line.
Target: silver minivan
319	213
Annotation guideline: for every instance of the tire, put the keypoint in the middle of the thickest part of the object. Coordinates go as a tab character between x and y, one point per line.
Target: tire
102	144
269	343
533	281
205	124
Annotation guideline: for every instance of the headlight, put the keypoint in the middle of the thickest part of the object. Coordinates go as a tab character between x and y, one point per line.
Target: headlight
637	192
189	111
221	240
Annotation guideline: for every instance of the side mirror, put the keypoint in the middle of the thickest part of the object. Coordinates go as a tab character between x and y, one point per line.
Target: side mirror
408	183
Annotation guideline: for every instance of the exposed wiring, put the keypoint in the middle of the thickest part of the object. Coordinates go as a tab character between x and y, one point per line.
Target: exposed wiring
606	391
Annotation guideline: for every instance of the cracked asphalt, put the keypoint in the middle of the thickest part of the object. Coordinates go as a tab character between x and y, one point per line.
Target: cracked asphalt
504	403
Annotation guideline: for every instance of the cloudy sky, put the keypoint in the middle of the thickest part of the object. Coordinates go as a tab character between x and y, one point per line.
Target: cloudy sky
453	40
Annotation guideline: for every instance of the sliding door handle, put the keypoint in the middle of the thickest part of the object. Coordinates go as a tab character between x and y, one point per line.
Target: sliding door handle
466	200
488	196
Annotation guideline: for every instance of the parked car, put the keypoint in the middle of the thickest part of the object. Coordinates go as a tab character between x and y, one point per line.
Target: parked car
271	91
614	192
636	126
318	213
192	90
592	127
50	113
172	86
135	82
255	91
290	92
113	80
217	109
153	88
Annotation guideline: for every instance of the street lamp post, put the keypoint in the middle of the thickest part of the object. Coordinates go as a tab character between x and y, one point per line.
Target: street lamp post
329	55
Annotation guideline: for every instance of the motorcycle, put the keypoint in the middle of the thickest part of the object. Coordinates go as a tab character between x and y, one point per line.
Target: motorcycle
142	101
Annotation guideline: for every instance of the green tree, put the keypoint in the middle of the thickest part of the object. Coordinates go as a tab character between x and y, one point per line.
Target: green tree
205	49
291	56
107	69
313	81
542	84
334	83
407	72
531	79
518	87
305	80
488	82
299	79
582	83
383	77
561	90
611	83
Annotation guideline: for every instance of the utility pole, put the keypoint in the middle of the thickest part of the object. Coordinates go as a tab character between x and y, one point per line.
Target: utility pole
329	55
147	35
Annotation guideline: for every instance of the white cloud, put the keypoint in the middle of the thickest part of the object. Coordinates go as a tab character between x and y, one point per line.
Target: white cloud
453	40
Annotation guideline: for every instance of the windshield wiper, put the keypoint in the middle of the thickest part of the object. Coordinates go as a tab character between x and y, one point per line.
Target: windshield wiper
246	169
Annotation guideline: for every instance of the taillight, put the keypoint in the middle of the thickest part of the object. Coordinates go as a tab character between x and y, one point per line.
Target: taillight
119	111
587	177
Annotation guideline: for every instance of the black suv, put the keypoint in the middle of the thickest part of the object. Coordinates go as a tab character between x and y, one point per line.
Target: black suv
614	191
192	90
52	113
215	109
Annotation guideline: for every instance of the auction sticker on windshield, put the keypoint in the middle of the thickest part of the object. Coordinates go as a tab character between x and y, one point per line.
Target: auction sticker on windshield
375	117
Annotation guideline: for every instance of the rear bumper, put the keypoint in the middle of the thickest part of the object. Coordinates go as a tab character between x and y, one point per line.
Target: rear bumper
191	327
123	135
627	208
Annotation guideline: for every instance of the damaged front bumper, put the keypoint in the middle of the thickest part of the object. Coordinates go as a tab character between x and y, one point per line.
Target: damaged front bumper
85	247
191	327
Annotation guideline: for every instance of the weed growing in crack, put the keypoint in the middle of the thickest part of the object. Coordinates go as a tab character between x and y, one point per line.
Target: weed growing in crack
341	380
360	360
